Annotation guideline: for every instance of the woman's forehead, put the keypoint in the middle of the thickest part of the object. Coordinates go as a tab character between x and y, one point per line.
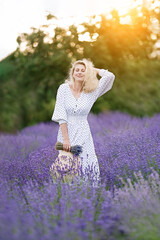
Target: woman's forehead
79	65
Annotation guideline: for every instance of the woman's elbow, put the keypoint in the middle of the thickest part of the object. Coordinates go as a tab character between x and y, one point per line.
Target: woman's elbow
111	81
113	76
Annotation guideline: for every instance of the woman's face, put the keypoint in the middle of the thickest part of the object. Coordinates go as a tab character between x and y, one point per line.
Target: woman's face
79	72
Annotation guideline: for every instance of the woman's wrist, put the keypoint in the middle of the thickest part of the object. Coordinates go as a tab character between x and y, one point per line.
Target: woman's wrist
97	70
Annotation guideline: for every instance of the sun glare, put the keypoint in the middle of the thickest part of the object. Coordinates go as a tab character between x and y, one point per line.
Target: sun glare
100	7
122	6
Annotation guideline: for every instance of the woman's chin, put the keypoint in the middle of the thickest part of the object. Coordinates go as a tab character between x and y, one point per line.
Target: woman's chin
80	79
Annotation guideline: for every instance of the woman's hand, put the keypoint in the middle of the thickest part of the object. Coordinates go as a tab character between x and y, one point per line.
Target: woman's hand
97	70
66	145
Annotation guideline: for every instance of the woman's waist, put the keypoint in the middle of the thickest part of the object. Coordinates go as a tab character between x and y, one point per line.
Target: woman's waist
76	119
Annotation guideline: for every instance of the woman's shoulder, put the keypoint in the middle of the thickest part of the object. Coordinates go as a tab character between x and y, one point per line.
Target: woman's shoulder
62	87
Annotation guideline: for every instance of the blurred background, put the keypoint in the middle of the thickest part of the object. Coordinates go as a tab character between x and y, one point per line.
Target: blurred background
40	39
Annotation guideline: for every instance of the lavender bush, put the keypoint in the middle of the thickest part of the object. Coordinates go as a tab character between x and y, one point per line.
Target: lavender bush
126	204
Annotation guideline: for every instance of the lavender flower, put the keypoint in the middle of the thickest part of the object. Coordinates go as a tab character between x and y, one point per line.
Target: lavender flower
76	150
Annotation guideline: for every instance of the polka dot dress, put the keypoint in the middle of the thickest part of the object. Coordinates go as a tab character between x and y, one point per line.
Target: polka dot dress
74	112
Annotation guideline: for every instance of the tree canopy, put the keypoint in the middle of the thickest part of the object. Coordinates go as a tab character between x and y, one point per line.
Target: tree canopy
30	76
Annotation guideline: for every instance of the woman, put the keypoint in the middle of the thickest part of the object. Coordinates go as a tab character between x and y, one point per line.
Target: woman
74	100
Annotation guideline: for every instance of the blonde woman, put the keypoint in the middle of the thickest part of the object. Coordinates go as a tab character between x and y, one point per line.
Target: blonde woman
74	100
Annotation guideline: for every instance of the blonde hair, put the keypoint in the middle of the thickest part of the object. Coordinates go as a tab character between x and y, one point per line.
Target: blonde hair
91	81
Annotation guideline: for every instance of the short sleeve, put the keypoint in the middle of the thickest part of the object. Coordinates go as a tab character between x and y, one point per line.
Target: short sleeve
105	82
59	114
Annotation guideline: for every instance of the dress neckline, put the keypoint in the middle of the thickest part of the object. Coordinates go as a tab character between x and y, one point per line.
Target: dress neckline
72	93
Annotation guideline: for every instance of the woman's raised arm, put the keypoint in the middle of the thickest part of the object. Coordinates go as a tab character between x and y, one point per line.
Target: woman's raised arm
105	82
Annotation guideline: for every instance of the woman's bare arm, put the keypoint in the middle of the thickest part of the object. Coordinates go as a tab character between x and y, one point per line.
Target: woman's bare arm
64	131
66	142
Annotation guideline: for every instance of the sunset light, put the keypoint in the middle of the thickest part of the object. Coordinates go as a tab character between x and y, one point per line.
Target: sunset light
121	6
19	18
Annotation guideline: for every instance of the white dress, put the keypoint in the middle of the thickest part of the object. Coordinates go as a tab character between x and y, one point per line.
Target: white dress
74	112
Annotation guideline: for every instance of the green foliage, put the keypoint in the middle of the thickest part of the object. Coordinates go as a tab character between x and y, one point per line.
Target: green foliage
144	227
29	79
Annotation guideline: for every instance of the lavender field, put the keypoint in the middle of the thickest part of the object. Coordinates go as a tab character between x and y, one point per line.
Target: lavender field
125	206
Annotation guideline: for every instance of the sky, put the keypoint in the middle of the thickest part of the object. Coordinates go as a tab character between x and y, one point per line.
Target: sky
18	16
